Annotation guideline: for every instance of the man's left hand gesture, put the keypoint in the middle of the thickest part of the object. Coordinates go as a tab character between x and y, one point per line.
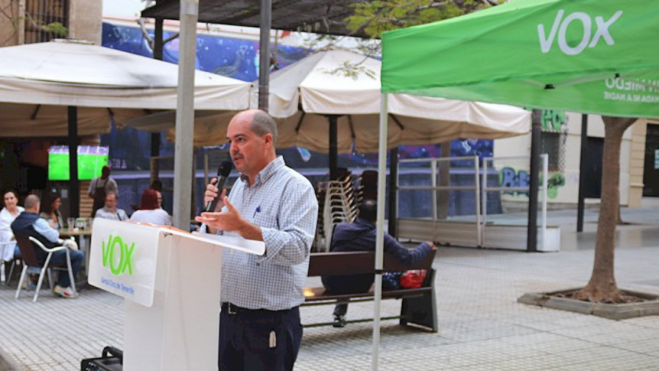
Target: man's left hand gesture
230	220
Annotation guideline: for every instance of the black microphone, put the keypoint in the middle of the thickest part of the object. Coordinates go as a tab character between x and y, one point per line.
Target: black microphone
222	174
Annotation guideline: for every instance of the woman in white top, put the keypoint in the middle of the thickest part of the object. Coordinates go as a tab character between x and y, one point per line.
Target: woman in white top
149	211
7	216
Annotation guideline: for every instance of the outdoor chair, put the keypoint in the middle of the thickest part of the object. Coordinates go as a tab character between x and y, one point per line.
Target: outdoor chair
2	262
27	247
7	276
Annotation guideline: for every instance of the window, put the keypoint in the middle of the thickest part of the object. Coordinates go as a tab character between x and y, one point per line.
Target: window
553	145
46	20
554	135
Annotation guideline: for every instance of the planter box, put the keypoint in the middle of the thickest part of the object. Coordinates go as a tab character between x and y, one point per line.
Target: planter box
610	311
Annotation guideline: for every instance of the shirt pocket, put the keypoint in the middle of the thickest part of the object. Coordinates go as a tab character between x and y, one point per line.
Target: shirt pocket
266	219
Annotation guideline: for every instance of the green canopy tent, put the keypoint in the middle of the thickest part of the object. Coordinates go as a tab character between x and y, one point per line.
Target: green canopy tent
589	56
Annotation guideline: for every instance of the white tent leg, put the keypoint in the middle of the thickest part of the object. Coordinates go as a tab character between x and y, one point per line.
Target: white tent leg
185	114
379	241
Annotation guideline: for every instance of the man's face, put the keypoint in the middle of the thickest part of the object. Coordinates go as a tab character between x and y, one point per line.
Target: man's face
248	150
110	202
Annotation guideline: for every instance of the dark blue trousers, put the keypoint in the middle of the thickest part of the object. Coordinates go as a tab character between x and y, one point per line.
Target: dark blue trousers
255	340
59	258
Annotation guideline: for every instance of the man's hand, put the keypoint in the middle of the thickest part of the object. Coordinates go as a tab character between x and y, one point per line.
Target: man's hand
432	245
230	221
211	193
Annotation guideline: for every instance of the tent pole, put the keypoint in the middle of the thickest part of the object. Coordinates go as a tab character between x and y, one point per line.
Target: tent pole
393	191
582	171
264	54
158	47
74	183
532	231
155	144
333	148
379	239
185	114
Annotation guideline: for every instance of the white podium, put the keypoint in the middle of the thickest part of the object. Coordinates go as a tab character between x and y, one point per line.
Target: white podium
171	282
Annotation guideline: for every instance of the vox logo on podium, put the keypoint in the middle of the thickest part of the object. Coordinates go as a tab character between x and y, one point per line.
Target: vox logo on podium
118	256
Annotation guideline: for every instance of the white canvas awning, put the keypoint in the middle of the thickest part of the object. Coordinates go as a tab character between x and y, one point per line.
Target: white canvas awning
355	99
35	79
30	120
303	94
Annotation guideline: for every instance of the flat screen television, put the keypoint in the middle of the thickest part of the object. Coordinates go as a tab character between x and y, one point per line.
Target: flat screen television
91	160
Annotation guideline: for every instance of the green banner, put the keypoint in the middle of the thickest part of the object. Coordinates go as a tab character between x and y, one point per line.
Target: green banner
586	56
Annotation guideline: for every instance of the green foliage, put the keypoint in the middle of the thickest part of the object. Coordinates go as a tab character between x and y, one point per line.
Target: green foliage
352	70
376	17
56	28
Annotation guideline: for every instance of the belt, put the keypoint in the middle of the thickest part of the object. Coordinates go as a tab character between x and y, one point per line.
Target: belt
234	309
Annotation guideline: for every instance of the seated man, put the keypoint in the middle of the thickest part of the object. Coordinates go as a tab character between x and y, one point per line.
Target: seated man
360	236
110	210
29	224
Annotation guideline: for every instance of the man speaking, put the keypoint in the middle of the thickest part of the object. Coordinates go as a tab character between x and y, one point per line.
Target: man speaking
260	325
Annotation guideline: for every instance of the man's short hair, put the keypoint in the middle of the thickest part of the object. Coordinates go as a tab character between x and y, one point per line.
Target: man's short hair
263	123
368	210
31	201
111	193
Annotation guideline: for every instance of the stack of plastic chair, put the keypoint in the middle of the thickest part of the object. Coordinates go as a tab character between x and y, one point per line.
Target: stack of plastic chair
336	201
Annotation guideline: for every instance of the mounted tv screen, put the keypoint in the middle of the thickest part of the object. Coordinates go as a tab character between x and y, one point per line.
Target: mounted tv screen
91	160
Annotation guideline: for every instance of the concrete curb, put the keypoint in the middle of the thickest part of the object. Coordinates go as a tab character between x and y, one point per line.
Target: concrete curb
7	363
610	311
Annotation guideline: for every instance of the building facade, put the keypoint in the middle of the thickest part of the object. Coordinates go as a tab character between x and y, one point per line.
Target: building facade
561	140
33	21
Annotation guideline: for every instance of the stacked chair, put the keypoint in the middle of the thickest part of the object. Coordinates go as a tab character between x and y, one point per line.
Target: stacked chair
336	204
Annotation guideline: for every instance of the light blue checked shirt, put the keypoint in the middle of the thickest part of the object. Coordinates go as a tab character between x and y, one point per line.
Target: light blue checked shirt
283	203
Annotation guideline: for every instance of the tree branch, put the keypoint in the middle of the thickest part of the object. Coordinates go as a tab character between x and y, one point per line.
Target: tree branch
145	33
170	38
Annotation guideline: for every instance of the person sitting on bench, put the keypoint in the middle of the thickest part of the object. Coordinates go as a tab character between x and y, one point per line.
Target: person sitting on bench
360	236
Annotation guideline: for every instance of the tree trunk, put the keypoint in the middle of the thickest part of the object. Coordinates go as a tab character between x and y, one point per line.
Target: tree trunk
602	285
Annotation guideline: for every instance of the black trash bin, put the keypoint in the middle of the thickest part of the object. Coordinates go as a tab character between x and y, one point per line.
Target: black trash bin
110	360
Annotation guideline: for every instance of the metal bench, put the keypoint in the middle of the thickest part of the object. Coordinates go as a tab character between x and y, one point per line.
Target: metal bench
418	305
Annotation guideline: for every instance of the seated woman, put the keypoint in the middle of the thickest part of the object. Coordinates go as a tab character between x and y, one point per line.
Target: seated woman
150	211
50	210
7	216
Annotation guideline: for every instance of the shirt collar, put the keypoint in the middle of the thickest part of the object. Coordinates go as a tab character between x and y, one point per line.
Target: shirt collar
267	171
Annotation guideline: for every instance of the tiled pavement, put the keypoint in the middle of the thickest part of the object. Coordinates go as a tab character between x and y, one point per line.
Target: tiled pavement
482	327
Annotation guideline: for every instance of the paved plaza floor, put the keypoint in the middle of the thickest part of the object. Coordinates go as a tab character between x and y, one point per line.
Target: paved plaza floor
481	326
